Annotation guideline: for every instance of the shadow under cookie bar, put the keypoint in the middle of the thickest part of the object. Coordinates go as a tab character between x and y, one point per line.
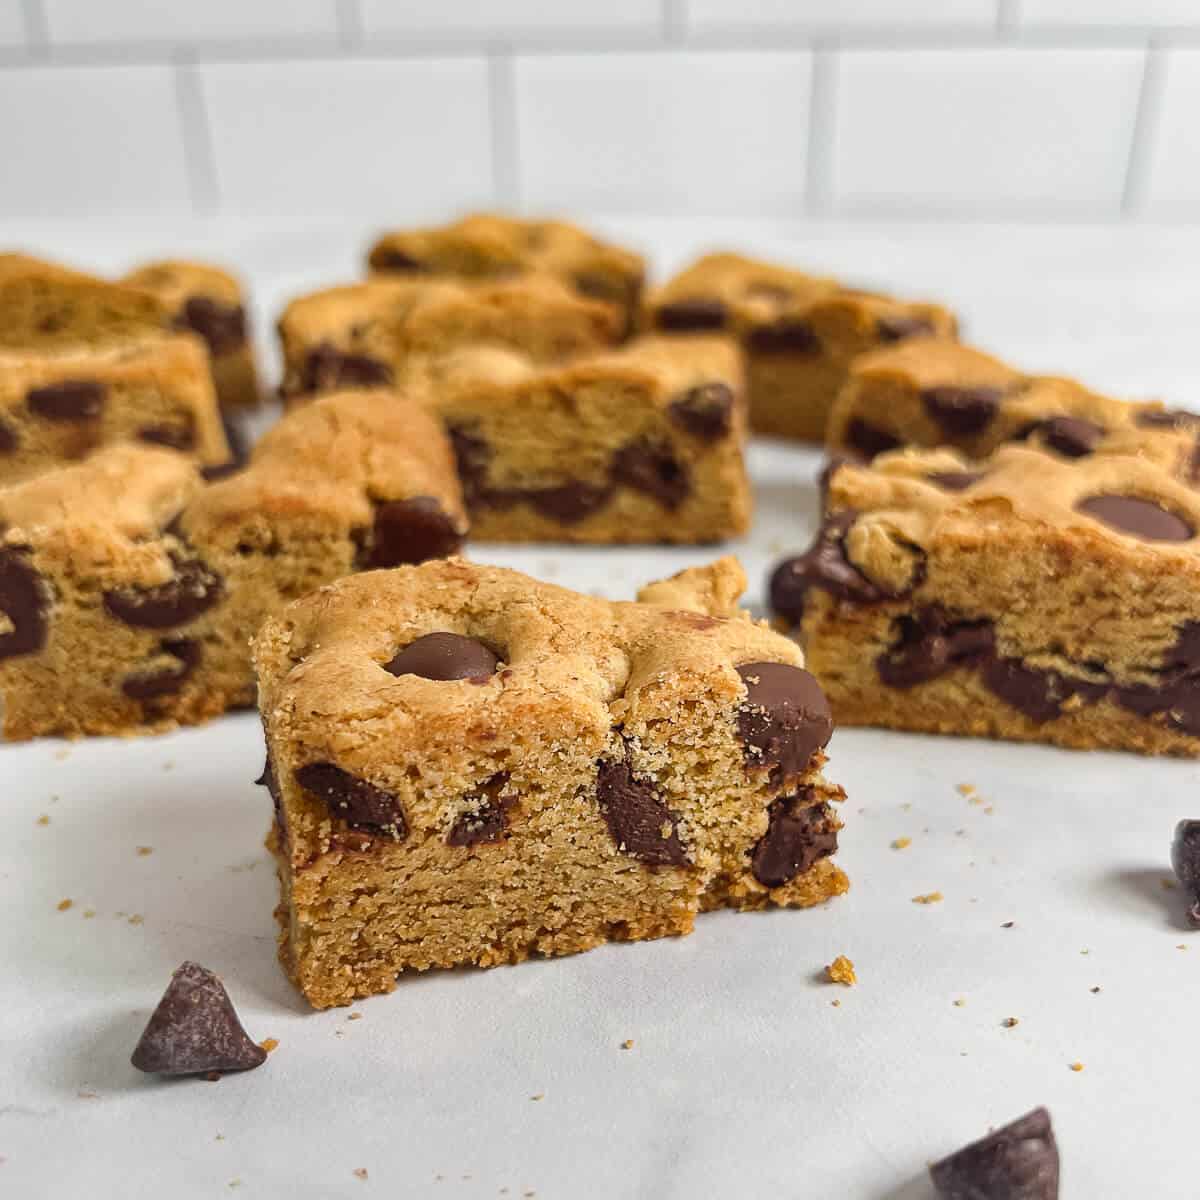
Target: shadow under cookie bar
471	767
1029	597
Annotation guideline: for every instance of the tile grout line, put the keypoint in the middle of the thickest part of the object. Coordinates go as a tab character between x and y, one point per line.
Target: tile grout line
818	186
350	24
505	138
1147	116
37	28
674	22
199	152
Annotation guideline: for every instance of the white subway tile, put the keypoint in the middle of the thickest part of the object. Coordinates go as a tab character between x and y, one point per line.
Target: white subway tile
721	16
1173	164
510	18
1127	13
974	132
405	137
75	22
79	141
12	24
682	133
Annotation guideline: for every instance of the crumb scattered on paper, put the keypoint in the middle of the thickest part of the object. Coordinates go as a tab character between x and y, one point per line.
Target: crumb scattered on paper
1008	924
269	1044
539	1096
63	905
1076	1067
1009	1022
960	1003
359	1172
1096	990
88	913
964	789
841	970
928	898
144	850
902	843
137	919
354	1016
44	819
627	1044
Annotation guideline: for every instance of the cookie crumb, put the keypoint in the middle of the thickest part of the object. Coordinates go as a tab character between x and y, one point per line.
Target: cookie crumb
1085	952
1008	924
841	970
1181	946
902	843
44	819
137	919
1168	885
1095	991
987	812
1009	1022
354	1016
627	1044
88	913
88	1095
959	1003
359	1173
63	905
836	1003
539	1096
964	789
142	851
1077	1067
269	1044
62	754
928	898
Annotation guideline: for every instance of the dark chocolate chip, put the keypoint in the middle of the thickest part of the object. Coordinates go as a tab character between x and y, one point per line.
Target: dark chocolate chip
195	1030
327	367
214	471
1185	653
1143	519
175	437
23	602
1039	694
652	469
787	336
930	643
685	316
397	260
167	680
360	804
195	588
955	481
569	503
487	820
799	833
1072	437
638	820
70	400
1185	860
1167	418
222	326
896	327
270	781
961	411
1016	1162
408	531
784	719
472	455
869	440
705	411
8	438
445	656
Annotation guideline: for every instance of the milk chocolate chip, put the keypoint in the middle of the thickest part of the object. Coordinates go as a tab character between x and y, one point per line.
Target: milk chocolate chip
1017	1162
443	657
360	804
705	411
222	326
1143	519
407	531
652	469
166	680
195	588
799	833
70	400
784	719
961	411
487	820
23	603
640	824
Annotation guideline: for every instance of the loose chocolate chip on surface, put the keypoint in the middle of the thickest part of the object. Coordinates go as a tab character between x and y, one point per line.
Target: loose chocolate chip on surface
1072	437
684	316
487	821
930	643
569	503
327	367
444	656
70	400
896	328
360	804
869	440
195	1029
175	437
396	260
961	411
799	833
195	588
652	469
788	336
1143	519
1016	1162
1167	418
955	481
1037	693
784	718
705	411
222	326
8	438
1185	861
167	680
408	531
637	818
23	602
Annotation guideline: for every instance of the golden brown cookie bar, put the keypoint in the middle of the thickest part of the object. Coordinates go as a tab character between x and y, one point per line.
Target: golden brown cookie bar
1024	596
59	405
470	766
370	334
210	302
641	444
490	246
941	393
799	332
130	588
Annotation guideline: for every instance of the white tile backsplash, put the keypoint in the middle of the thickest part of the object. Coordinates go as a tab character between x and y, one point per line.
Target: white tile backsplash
664	132
1173	183
12	23
67	152
409	137
985	132
720	16
485	19
1109	13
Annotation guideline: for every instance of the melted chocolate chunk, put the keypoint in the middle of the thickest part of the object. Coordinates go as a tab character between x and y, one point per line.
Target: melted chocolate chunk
1039	694
787	336
214	471
1167	418
961	411
799	833
705	411
407	531
1185	861
195	1030
327	367
1072	437
445	656
929	644
652	469
360	804
1143	519
175	437
569	503
638	820
70	400
487	821
23	603
686	316
397	260
869	440
784	719
896	328
195	588
1185	654
167	680
955	481
8	438
222	326
471	455
1016	1162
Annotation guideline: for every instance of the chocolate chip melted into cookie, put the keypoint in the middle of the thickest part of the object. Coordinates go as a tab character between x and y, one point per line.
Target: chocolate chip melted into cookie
1016	1162
486	820
180	436
896	327
1144	519
23	605
397	260
789	335
692	315
326	368
193	590
800	831
638	819
651	468
930	643
168	679
961	411
869	440
955	481
360	804
705	411
222	326
70	400
444	657
8	439
407	531
1072	437
784	719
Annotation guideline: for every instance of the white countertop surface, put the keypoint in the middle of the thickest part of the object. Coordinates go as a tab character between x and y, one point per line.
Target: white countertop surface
744	1078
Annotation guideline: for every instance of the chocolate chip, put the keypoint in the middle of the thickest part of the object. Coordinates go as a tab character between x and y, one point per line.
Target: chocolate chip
961	411
70	400
1072	437
1016	1162
569	503
895	327
445	656
8	438
1142	518
652	469
1167	418
23	602
705	411
787	336
195	588
869	440
638	820
784	719
930	643
1185	653
166	680
486	821
195	1030
1039	694
685	316
799	832
1185	860
175	437
955	481
326	368
214	471
222	326
407	531
397	260
471	455
360	804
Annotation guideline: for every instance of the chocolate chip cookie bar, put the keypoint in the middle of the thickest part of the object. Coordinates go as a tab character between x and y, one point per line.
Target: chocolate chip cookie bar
491	246
57	406
1025	596
130	587
799	332
470	766
370	334
641	444
941	393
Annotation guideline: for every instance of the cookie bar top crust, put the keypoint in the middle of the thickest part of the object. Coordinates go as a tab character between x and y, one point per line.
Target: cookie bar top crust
929	393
